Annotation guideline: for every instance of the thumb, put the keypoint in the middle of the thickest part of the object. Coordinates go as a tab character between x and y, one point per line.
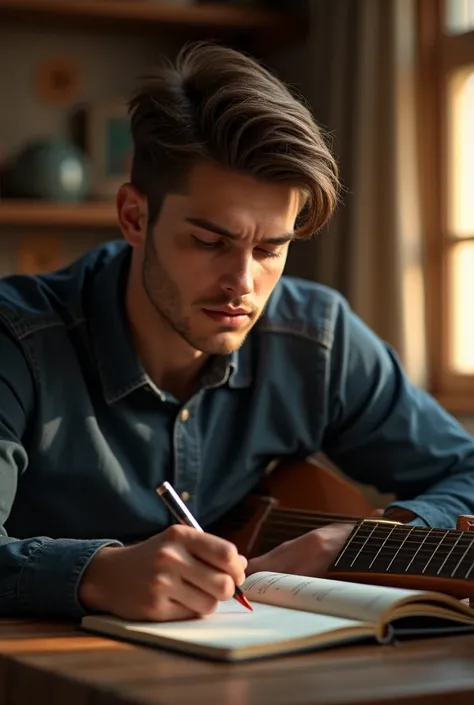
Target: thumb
377	513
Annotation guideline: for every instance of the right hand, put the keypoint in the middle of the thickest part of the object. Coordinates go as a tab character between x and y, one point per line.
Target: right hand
177	574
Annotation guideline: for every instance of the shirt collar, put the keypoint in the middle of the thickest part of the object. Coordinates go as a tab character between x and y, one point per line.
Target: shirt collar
240	364
234	369
119	366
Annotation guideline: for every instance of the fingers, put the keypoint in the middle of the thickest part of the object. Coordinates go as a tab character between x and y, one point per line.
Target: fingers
176	596
169	611
195	599
175	559
169	597
212	550
310	554
177	611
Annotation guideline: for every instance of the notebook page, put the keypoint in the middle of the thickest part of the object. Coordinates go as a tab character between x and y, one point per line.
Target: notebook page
332	597
232	626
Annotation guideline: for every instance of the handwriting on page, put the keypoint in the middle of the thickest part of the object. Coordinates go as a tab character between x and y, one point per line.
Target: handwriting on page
332	597
292	585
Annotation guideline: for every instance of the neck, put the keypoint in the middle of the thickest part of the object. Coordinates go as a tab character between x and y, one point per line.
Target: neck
169	361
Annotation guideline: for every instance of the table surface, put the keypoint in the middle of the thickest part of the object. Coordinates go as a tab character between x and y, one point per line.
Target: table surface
54	663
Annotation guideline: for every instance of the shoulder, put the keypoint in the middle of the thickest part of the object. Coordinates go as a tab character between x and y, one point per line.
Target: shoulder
31	302
303	308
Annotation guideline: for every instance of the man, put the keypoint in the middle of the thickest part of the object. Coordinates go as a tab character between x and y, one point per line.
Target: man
182	354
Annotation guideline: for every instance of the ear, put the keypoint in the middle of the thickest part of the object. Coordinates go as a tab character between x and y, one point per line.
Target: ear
132	211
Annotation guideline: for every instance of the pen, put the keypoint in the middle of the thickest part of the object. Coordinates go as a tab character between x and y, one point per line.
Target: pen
184	516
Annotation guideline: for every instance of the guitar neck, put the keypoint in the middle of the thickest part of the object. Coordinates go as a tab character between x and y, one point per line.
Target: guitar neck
303	497
376	547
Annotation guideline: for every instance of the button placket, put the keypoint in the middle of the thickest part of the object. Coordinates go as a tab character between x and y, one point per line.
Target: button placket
187	454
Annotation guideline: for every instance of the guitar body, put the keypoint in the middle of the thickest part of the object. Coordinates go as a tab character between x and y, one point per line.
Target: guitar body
307	485
293	488
302	495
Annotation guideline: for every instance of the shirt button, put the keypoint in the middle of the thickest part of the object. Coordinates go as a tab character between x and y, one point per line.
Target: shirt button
185	496
184	415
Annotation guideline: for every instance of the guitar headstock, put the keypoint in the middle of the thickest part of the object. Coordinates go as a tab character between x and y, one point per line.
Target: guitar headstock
465	522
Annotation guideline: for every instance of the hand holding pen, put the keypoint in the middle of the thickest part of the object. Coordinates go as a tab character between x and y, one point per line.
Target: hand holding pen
179	573
184	516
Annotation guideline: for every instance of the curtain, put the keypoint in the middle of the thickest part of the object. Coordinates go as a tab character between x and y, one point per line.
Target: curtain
357	69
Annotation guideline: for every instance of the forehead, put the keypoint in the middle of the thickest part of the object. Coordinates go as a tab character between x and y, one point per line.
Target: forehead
213	190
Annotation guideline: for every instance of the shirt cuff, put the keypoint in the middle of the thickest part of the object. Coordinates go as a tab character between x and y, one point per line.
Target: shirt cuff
428	515
50	577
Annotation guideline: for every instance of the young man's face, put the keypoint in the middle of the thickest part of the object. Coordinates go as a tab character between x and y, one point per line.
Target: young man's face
215	254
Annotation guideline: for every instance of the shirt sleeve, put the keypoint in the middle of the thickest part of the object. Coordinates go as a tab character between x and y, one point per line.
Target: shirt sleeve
384	431
39	576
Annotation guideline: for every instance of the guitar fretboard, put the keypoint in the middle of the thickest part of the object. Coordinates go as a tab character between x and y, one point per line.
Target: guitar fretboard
397	549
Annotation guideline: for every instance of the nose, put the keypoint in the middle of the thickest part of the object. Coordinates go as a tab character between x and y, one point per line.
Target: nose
238	277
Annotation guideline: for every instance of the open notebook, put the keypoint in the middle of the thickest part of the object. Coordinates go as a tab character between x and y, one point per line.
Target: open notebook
292	613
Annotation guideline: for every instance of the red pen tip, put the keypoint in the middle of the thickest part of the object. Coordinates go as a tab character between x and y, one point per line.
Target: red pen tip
243	601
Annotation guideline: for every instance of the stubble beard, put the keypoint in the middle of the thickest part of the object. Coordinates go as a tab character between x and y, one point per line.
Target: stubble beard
164	296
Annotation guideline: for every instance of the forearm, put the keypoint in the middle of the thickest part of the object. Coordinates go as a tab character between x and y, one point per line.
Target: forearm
440	505
385	432
40	576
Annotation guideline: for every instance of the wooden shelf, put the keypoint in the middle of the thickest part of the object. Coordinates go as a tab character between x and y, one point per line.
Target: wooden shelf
19	213
150	15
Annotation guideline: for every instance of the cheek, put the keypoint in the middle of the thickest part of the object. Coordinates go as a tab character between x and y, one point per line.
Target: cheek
198	278
267	277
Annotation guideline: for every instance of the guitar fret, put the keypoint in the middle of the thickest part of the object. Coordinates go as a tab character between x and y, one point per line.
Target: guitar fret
461	560
417	551
400	548
361	548
343	552
449	554
381	547
391	553
408	547
434	553
379	536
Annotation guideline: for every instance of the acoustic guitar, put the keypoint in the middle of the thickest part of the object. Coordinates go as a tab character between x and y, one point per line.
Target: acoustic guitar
298	496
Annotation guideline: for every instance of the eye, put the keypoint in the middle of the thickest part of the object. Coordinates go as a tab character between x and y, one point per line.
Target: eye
219	244
205	244
269	253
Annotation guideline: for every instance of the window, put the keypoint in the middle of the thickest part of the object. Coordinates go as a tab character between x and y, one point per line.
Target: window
459	16
446	121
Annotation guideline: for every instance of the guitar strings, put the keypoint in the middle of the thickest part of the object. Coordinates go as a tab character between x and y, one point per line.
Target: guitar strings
299	525
291	517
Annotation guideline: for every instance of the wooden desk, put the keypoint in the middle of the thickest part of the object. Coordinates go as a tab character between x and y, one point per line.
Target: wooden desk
54	664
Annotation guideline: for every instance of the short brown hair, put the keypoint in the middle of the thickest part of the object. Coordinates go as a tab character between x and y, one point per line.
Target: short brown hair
217	104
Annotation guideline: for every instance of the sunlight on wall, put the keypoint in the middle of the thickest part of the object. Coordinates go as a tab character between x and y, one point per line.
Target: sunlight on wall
461	148
461	221
459	15
461	267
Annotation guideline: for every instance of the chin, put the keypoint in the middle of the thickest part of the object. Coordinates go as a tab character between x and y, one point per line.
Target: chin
223	344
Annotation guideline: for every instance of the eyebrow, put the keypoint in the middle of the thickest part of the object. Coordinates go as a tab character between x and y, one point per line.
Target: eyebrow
223	232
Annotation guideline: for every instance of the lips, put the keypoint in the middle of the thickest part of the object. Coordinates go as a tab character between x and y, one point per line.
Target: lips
229	318
229	311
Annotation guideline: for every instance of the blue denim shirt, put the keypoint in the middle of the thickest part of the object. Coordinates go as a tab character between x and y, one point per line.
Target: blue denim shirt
86	438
